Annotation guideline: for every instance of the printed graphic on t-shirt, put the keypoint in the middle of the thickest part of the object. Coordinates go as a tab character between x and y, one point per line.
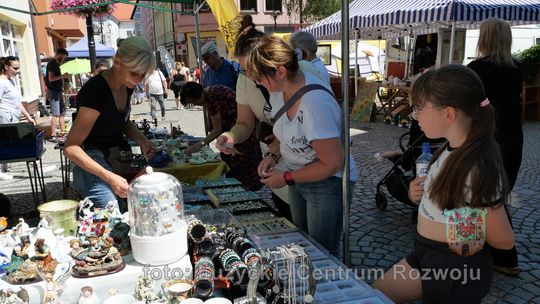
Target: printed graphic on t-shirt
465	229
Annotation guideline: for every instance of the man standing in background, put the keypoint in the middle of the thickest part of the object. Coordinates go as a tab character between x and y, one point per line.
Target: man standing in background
54	81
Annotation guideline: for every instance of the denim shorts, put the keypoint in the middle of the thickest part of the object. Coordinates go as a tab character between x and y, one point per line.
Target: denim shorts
91	186
57	103
317	208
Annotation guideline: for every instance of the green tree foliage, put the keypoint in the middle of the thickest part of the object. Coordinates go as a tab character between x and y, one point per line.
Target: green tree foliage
312	10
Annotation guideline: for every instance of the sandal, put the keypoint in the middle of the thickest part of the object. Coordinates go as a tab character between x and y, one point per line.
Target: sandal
511	271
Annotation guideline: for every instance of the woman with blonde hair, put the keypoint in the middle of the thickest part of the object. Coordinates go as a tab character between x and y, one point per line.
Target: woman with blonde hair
309	134
501	76
103	120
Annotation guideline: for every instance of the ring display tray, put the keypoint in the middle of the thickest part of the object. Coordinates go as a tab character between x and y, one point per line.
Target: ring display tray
226	189
219	199
256	215
220	182
269	226
244	207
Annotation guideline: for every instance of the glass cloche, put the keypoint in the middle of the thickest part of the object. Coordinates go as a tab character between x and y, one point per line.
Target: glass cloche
156	204
156	219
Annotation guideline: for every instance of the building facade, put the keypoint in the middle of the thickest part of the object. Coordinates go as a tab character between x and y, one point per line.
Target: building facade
17	39
176	32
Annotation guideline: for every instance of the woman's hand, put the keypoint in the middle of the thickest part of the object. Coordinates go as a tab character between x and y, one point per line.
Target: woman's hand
225	143
148	149
118	184
266	166
194	148
274	179
416	189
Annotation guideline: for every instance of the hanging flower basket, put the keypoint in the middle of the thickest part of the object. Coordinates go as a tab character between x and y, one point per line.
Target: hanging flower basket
105	9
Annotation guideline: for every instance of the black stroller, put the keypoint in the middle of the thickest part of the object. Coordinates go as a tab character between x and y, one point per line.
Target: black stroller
403	170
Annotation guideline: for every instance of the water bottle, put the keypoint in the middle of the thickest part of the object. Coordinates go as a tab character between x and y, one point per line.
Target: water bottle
422	162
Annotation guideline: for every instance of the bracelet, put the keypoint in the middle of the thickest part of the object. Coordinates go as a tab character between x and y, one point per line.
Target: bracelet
272	155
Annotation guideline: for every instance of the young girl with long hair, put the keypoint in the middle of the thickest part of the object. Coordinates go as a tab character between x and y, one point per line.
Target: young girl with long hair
461	199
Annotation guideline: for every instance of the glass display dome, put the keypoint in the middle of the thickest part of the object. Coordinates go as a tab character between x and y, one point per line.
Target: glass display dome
156	205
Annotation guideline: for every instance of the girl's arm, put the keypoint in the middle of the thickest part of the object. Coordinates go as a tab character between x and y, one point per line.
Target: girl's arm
245	124
499	233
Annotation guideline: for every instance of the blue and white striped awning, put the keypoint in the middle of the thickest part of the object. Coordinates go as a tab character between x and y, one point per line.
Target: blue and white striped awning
393	18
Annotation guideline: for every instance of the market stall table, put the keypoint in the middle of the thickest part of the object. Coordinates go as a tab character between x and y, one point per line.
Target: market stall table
189	173
37	179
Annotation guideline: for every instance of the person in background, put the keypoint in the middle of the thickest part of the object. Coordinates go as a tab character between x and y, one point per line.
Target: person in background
103	120
179	79
220	71
185	71
197	75
156	90
11	107
101	65
307	43
461	198
221	104
309	135
139	93
54	81
501	75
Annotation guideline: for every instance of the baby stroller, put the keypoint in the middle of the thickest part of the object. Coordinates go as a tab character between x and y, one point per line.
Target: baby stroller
403	170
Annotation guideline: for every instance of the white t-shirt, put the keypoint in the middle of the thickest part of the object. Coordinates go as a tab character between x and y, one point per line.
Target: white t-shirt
318	117
323	72
155	82
10	98
186	72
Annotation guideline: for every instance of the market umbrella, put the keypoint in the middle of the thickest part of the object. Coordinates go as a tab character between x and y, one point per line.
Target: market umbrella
76	66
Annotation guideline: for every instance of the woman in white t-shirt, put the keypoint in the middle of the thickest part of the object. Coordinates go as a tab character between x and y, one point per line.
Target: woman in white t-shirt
10	98
310	142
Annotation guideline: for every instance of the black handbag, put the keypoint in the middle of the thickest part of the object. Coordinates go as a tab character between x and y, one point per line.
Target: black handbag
262	131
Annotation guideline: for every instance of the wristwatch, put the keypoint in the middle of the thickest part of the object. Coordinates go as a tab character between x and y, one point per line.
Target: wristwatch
289	180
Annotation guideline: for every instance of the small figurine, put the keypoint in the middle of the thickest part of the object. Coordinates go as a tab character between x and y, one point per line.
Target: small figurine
41	250
115	216
12	297
43	223
88	296
144	290
51	290
86	216
22	228
97	258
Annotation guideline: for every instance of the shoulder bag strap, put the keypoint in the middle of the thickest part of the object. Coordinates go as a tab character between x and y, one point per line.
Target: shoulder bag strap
297	95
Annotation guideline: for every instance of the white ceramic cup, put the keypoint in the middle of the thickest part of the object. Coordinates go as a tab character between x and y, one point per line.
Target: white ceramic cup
217	301
122	298
192	301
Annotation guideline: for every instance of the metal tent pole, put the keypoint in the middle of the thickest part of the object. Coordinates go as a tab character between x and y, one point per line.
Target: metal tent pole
346	136
452	42
356	72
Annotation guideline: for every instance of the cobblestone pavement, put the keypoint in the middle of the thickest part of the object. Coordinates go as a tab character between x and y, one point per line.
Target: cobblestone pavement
378	238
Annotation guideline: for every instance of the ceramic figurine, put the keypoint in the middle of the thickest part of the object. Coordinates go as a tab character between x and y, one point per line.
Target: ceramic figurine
22	228
115	216
144	290
86	216
51	290
100	257
11	297
3	223
88	296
